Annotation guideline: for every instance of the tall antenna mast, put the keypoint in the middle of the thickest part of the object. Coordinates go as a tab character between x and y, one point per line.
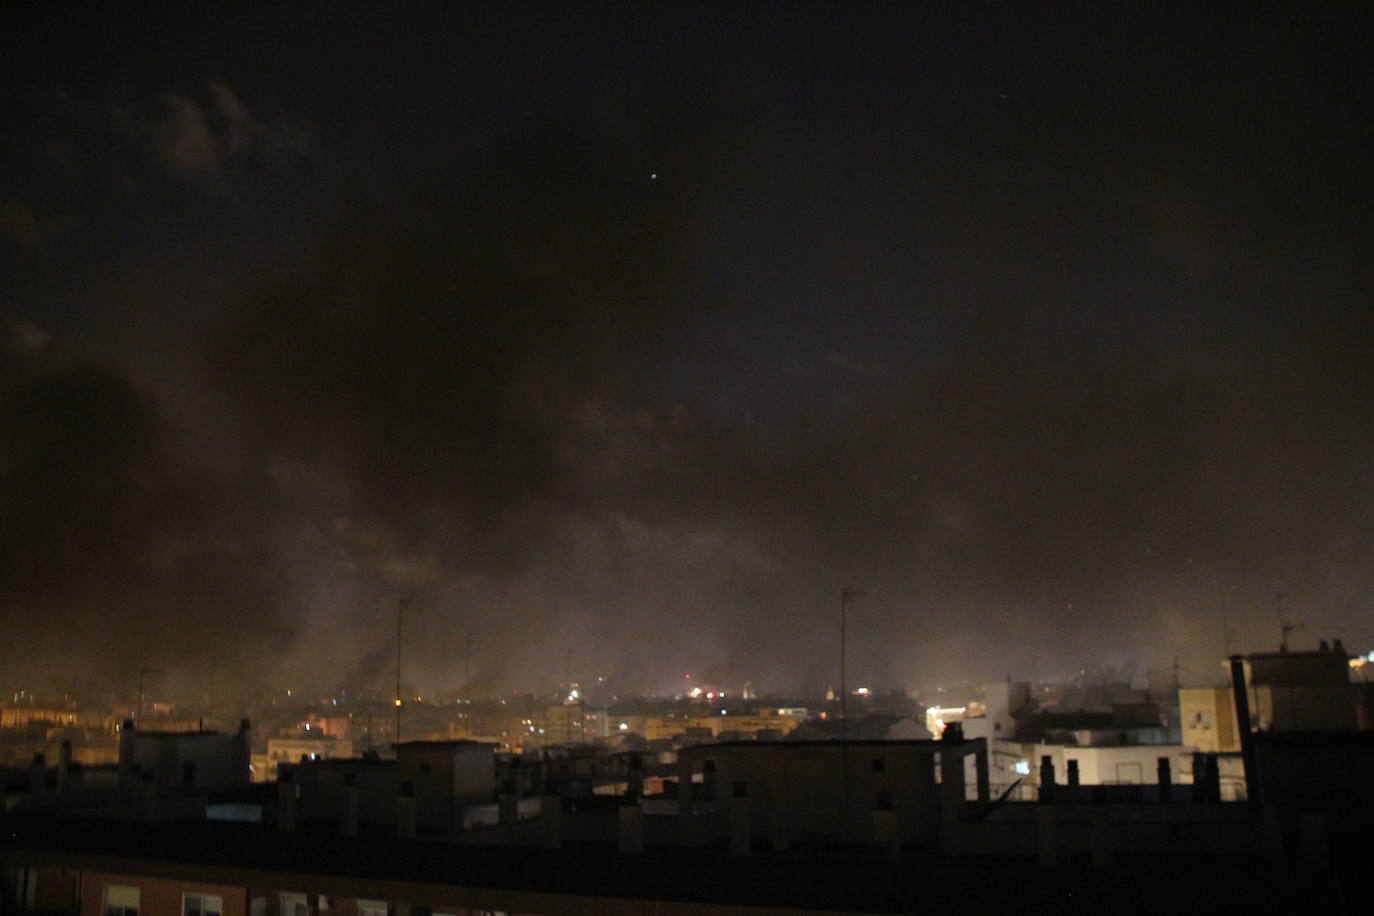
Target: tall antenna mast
400	613
846	594
1286	626
467	665
567	702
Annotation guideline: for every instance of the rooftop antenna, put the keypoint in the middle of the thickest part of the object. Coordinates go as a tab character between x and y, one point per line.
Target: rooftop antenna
400	613
142	675
1228	635
570	699
467	680
1285	625
847	594
210	700
467	665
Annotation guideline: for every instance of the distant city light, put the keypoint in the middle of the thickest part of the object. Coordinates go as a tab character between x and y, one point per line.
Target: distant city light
863	691
624	726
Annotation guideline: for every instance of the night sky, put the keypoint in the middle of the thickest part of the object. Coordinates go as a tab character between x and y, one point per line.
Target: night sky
641	331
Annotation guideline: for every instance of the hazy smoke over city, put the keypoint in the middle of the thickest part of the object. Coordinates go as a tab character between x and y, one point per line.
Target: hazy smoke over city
654	385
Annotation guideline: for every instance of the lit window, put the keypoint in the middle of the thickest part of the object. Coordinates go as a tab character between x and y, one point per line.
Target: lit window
121	900
294	905
1022	767
371	908
201	905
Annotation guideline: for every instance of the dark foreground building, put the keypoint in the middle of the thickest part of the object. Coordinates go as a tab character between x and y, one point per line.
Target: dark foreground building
749	827
113	868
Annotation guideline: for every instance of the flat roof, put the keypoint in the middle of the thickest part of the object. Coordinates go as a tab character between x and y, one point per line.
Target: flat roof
671	879
912	743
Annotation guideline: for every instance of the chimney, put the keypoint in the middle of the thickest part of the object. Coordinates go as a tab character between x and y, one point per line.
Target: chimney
551	818
1073	773
1046	778
1323	647
128	732
38	775
348	806
64	766
741	840
1166	780
147	795
1240	694
286	800
1337	647
636	777
405	811
243	754
1046	832
631	834
508	803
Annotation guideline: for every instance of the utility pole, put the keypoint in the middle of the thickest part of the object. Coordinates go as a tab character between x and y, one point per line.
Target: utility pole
142	674
568	701
210	701
467	681
400	612
1285	627
139	716
467	666
846	593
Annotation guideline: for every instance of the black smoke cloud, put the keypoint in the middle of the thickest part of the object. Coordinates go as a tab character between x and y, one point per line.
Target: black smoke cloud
520	399
114	553
1057	373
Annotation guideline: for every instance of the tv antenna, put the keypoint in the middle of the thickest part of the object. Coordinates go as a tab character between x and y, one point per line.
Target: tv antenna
400	614
467	665
1286	626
